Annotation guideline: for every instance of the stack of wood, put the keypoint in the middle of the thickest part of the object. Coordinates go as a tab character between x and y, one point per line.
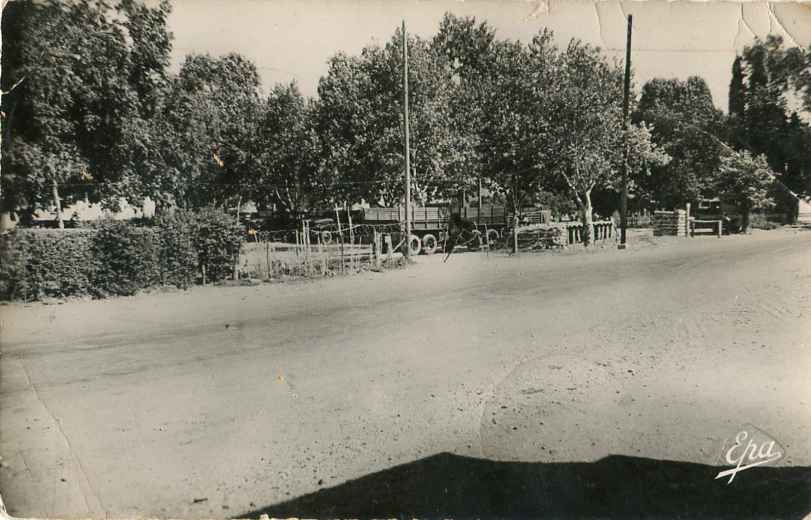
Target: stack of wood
540	236
670	223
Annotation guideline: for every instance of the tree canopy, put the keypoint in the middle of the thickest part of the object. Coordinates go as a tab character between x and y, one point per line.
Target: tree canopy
771	85
691	130
98	113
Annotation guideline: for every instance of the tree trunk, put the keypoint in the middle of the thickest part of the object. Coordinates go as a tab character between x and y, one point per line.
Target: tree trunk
588	228
745	212
236	260
57	204
515	222
515	233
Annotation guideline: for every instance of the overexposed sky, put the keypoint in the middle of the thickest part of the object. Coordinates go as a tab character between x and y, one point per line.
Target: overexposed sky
292	39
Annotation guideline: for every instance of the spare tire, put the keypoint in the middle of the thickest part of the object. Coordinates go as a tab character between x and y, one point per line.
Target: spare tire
429	244
414	245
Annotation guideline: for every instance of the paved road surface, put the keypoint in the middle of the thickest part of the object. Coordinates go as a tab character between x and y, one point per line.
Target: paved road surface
597	383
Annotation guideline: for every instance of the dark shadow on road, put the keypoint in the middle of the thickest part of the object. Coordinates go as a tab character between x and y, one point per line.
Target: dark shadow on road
451	486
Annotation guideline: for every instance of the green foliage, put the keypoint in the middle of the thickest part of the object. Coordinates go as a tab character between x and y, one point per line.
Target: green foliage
126	259
796	151
89	72
118	258
737	90
290	174
688	127
467	48
361	123
203	144
746	182
761	221
177	255
513	137
763	121
46	263
216	239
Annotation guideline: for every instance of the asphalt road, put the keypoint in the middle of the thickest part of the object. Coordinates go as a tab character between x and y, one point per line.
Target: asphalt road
600	383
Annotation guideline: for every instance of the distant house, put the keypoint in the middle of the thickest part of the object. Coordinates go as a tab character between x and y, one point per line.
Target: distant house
84	211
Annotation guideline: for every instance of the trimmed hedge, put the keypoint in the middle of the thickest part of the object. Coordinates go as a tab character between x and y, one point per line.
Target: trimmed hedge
126	259
178	258
46	263
118	258
216	238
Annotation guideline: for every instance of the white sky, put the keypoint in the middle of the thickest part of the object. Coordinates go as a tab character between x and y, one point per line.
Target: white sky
292	39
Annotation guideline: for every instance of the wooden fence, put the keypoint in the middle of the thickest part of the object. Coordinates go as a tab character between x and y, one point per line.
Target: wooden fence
639	220
313	252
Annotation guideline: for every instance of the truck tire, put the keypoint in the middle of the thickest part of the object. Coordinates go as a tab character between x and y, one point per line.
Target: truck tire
429	244
326	237
414	245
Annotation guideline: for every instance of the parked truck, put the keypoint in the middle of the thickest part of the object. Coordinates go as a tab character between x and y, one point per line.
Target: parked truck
429	224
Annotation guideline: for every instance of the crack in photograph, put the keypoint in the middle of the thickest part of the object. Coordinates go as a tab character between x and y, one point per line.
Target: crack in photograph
405	259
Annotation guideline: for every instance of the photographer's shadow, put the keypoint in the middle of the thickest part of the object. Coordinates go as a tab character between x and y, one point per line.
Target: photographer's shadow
452	486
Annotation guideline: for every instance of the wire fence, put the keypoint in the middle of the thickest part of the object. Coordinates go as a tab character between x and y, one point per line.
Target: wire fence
317	250
313	250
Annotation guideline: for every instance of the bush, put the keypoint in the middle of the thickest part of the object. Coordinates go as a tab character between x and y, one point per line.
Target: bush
178	260
126	259
763	221
217	237
46	263
118	258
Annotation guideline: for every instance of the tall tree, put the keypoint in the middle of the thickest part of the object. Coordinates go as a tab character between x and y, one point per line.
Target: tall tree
737	90
588	126
776	78
691	130
361	117
745	181
67	131
289	171
514	136
205	139
765	113
468	47
796	144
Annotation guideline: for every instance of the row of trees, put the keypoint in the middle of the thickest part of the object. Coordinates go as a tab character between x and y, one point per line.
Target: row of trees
97	112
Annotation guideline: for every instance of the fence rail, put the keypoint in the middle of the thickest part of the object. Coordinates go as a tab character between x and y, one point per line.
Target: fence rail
314	252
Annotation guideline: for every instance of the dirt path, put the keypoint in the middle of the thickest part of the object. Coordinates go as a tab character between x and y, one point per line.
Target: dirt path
282	395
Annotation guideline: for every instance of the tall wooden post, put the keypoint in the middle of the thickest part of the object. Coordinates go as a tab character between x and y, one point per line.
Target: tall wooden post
515	233
407	150
479	209
340	237
625	103
236	260
57	204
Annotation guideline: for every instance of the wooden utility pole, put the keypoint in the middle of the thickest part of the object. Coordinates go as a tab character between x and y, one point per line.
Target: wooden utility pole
407	151
57	204
479	209
236	260
625	103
